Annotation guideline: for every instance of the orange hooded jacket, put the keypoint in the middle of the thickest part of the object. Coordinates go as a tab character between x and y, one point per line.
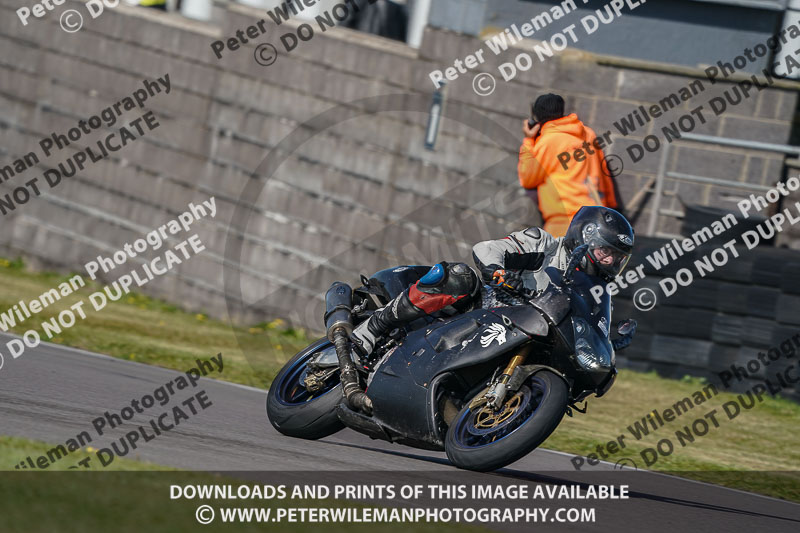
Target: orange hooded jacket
562	192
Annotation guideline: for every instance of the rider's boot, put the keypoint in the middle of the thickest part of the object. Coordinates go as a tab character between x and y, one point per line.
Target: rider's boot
397	312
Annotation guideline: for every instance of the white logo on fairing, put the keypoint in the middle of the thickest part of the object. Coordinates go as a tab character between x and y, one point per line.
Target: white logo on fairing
603	325
400	269
495	331
625	239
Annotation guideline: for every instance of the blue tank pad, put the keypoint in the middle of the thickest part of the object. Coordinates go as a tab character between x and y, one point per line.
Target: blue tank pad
434	276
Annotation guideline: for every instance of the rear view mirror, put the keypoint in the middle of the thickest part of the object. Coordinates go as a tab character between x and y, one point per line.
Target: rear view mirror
627	328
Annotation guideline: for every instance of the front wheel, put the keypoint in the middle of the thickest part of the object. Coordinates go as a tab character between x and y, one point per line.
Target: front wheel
296	412
483	439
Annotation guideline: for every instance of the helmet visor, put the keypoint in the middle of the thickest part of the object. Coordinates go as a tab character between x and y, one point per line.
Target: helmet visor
607	257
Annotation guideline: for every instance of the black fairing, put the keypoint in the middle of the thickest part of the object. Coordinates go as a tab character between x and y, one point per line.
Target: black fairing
451	334
467	348
403	398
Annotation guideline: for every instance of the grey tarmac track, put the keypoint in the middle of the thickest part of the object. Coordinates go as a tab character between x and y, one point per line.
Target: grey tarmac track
51	393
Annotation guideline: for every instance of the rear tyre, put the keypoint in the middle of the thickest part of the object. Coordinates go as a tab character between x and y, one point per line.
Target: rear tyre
482	440
294	411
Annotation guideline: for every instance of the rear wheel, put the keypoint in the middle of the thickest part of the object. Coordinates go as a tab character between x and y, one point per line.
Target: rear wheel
296	412
485	439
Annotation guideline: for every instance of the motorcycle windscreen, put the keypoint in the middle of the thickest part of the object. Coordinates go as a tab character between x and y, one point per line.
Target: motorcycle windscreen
553	302
592	345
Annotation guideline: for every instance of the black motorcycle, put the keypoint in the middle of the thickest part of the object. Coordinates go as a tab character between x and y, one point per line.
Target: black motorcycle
487	386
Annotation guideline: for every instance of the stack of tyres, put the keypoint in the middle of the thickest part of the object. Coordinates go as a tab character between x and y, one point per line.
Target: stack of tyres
724	318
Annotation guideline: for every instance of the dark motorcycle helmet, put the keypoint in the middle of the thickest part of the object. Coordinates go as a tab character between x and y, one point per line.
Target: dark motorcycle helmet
609	236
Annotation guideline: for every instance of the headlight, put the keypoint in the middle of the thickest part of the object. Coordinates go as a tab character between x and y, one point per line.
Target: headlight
586	355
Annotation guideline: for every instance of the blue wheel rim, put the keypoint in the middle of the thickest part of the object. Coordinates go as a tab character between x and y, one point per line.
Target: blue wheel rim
290	389
471	429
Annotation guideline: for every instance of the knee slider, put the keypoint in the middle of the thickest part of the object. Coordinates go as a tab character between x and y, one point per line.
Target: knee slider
462	280
459	269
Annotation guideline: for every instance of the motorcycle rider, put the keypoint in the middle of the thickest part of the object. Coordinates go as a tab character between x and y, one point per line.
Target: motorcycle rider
512	262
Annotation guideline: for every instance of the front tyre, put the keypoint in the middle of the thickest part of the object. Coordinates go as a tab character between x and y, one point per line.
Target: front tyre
294	411
482	439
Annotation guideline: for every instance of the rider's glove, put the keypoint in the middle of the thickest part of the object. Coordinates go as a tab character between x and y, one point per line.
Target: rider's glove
507	279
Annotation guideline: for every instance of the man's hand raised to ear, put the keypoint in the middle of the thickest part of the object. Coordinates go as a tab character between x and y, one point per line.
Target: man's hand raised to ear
529	131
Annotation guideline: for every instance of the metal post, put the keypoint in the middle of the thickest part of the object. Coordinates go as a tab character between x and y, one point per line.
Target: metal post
434	118
418	19
741	143
662	169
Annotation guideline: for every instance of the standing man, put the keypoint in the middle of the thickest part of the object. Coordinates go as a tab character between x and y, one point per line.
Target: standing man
562	191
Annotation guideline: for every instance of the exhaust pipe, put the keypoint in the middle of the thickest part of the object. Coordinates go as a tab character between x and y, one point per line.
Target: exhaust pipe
339	326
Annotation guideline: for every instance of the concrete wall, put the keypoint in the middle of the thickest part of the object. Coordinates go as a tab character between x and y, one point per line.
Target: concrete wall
355	193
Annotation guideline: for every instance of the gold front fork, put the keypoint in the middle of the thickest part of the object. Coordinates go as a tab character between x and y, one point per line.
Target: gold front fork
497	392
512	365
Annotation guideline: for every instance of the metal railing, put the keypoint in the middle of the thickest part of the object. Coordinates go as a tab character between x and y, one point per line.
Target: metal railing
680	176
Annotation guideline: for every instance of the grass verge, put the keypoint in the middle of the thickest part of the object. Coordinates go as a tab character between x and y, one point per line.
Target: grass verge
14	449
754	451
